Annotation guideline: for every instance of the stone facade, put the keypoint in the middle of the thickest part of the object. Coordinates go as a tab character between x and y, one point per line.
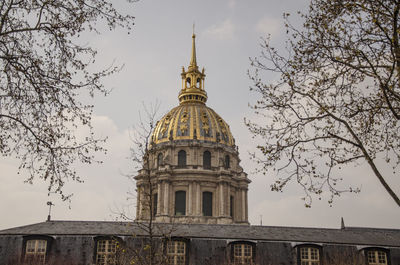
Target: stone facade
228	185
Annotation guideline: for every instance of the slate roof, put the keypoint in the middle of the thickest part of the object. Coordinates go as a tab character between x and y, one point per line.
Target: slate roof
348	235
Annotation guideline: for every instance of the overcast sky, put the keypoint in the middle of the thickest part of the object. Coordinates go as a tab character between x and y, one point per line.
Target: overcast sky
228	33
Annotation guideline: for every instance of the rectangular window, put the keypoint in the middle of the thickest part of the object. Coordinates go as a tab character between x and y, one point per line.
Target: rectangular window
180	203
106	250
231	206
242	254
36	251
155	198
207	203
377	257
176	252
309	256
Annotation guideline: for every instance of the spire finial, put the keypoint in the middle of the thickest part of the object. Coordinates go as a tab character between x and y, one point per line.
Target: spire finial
193	80
193	60
49	203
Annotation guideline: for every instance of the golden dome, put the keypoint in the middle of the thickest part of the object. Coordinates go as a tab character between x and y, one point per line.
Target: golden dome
192	119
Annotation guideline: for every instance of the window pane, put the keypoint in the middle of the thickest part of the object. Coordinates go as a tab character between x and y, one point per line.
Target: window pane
101	246
206	160
41	246
180	247
227	162
30	246
231	206
180	203
304	253
182	158
207	203
159	160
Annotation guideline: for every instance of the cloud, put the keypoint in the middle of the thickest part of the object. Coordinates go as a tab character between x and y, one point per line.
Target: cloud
231	4
222	31
268	25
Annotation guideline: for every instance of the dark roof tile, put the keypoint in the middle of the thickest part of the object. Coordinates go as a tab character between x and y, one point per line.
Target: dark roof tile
349	235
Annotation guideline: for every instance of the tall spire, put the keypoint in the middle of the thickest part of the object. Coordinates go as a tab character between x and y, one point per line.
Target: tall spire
193	60
193	80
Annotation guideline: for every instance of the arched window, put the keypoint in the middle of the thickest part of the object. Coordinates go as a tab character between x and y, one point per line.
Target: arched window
182	158
207	160
227	161
207	203
176	252
243	252
159	159
377	256
309	255
180	203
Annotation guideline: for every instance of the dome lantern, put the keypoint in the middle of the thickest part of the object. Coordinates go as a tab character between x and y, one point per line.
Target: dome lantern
192	80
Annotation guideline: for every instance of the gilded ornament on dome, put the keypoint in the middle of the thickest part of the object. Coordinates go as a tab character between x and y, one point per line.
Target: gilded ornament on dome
204	121
167	121
223	128
183	124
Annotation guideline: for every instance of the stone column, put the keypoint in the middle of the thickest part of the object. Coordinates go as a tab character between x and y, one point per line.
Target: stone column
138	204
166	198
198	199
228	200
246	207
159	200
221	196
243	205
190	200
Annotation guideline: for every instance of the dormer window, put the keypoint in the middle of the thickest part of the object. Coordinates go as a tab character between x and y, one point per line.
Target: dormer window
377	257
242	253
106	249
176	252
35	251
309	255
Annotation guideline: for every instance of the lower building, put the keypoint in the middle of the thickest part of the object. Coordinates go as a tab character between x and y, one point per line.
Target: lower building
104	243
